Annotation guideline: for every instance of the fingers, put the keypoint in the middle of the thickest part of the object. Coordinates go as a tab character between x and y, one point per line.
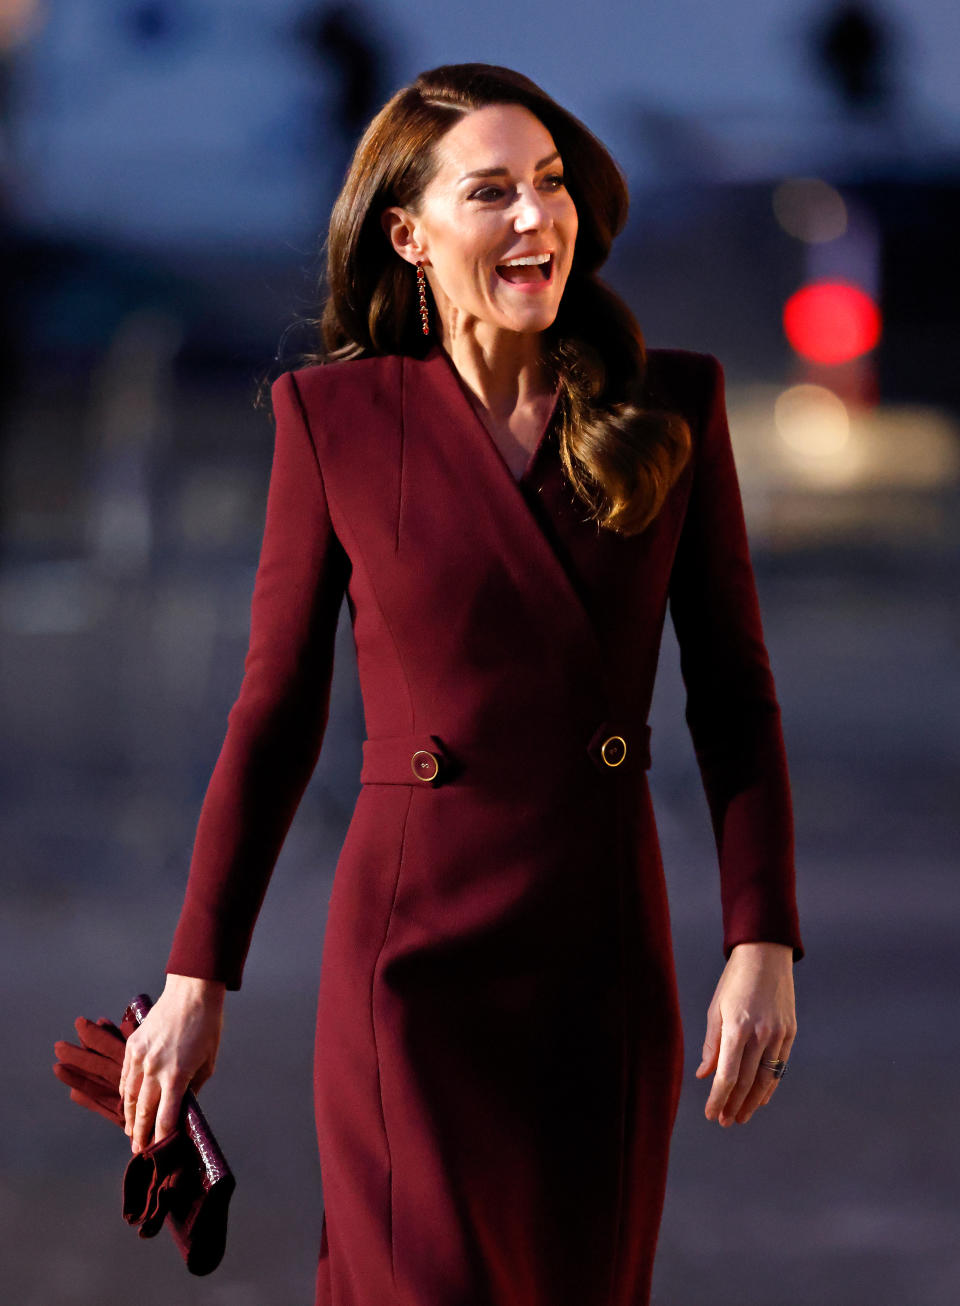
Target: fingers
726	1078
131	1098
151	1101
157	1110
746	1080
763	1087
741	1083
783	1054
148	1099
102	1038
100	1069
141	1090
168	1114
131	1080
75	1078
108	1107
711	1043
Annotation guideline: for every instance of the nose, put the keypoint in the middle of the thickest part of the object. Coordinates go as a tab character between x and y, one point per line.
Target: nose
531	211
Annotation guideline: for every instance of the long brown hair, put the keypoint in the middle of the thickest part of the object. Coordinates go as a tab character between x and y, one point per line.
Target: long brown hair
620	456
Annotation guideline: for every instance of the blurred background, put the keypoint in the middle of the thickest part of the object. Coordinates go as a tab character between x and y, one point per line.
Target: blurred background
166	173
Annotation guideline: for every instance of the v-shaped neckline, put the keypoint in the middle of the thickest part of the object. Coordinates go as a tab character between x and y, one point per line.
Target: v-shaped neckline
434	403
534	457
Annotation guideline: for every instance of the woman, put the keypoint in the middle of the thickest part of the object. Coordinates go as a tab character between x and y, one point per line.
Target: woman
510	489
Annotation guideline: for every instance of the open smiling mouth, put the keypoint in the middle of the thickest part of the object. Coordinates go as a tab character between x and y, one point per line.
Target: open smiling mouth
526	273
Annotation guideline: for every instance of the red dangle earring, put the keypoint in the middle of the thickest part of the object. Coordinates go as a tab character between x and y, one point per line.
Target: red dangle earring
422	287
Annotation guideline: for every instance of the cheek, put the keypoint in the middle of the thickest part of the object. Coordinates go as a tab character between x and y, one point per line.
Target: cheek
471	265
459	275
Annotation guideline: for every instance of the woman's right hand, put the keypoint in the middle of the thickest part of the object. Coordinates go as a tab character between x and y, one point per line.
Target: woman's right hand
173	1049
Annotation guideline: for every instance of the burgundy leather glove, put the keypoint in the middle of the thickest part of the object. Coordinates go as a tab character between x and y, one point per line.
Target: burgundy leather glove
164	1182
151	1179
92	1070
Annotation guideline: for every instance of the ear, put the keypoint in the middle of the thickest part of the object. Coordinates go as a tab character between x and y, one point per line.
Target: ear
403	233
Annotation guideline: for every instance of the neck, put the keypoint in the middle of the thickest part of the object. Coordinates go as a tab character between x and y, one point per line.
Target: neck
504	370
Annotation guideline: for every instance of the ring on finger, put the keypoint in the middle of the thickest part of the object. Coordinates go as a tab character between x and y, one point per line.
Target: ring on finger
779	1067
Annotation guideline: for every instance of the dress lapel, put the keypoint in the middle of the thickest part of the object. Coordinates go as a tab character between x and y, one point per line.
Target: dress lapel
538	447
449	433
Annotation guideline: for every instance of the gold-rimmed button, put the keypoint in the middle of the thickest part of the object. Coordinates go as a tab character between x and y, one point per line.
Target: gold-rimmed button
613	750
425	764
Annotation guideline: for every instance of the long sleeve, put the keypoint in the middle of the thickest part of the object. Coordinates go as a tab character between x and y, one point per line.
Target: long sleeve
276	725
731	705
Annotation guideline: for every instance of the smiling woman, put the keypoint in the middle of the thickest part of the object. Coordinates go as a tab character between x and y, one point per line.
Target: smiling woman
498	1037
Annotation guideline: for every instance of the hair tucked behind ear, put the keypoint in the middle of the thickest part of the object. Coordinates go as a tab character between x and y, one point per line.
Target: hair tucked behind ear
619	456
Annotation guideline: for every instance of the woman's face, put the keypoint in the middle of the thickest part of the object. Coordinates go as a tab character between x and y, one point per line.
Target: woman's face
470	225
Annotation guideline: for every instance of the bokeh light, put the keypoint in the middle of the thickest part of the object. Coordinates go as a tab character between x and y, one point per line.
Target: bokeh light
831	322
812	420
810	209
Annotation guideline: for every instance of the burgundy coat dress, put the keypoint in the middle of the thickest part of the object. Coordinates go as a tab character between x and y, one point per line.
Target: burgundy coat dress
498	1043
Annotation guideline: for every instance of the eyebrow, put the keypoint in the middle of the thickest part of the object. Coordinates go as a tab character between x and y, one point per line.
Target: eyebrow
499	172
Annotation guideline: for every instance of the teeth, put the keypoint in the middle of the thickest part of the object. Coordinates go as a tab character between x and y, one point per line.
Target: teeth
531	259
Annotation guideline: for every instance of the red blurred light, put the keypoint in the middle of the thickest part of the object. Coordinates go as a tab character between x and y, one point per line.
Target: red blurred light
831	322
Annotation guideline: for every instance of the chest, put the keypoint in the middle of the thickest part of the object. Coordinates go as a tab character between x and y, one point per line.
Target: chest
469	548
516	435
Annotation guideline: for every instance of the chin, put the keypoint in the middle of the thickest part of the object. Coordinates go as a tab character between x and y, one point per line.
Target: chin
536	320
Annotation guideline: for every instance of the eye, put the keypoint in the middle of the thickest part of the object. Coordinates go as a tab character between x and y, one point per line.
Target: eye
553	181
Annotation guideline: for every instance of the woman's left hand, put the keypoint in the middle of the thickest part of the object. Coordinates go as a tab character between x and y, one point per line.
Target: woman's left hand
752	1015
